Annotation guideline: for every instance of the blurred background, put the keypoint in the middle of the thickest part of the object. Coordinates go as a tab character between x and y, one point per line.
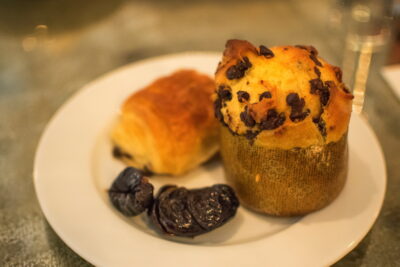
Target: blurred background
49	49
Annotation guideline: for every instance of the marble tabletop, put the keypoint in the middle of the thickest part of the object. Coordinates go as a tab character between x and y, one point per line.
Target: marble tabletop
50	49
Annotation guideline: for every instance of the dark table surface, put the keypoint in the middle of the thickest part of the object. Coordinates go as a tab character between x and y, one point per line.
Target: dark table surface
50	49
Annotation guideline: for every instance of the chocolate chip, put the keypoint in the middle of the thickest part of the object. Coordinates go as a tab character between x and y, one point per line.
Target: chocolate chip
237	71
297	104
251	135
266	94
296	117
224	92
292	99
302	47
321	125
346	90
217	109
272	120
229	116
266	52
314	58
243	96
324	97
119	153
338	73
329	85
317	71
247	119
247	62
309	48
233	72
146	171
317	87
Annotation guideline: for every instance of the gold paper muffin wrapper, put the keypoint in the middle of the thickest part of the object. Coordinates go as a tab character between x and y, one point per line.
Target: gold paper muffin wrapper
284	182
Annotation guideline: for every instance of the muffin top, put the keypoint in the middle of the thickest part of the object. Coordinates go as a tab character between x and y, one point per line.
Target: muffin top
283	96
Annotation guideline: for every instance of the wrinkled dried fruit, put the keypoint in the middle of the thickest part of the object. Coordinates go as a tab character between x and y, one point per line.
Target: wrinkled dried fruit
131	193
182	212
172	213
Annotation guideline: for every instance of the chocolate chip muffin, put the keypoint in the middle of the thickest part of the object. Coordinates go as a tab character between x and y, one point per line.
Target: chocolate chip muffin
284	114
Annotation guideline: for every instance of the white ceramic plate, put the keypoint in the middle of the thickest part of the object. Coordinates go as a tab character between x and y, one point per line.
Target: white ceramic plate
74	168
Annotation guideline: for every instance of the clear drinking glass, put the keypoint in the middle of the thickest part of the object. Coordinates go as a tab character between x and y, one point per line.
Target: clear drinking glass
367	31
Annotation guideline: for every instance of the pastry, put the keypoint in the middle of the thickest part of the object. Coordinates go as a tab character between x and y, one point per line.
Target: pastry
284	114
168	127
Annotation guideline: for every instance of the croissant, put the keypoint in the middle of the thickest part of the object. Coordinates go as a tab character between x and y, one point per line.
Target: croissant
168	127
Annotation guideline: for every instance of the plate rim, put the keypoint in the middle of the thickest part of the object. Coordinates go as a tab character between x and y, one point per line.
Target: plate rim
87	88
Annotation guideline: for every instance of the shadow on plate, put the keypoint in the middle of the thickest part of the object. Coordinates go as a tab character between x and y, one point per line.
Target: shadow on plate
355	197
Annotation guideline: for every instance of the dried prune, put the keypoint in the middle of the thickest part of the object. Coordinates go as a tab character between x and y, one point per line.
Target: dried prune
131	193
182	212
172	214
212	206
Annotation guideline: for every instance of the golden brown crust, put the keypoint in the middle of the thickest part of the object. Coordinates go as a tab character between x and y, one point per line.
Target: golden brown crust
319	108
171	121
